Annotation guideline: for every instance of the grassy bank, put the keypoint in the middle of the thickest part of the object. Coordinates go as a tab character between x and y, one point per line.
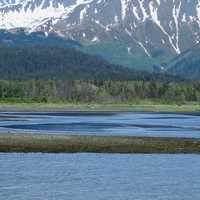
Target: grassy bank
140	107
100	95
95	144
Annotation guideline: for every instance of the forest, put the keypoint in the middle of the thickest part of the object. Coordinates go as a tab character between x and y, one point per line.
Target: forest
53	63
98	91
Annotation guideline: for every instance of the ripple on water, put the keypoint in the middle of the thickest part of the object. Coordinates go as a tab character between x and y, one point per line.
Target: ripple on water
99	176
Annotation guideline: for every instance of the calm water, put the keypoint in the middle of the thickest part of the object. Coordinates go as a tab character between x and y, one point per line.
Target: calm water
140	124
99	177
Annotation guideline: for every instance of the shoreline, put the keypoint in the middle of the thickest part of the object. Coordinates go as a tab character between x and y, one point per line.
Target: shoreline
45	143
67	107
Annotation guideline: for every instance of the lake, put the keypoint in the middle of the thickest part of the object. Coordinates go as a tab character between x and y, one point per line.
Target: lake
99	177
103	123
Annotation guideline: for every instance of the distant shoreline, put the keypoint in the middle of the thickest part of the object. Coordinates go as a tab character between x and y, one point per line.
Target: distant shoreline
42	143
58	107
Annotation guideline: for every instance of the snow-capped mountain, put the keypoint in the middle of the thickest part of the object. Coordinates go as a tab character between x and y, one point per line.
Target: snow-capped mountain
156	27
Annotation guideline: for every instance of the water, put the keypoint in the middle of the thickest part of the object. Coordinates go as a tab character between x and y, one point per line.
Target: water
99	177
107	123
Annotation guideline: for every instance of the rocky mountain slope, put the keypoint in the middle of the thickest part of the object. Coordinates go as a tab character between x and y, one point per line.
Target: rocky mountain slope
122	31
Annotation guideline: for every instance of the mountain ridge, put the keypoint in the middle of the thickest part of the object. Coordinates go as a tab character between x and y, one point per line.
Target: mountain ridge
20	38
158	29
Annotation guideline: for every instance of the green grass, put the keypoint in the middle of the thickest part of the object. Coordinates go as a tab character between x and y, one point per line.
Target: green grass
143	106
95	144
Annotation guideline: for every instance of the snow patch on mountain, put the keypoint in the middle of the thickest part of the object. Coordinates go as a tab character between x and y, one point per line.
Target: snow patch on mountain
172	25
33	13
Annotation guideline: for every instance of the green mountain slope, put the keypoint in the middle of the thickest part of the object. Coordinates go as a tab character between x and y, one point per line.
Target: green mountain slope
127	54
64	64
130	56
186	65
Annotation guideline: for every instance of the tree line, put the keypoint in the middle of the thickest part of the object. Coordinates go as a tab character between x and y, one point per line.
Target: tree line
99	91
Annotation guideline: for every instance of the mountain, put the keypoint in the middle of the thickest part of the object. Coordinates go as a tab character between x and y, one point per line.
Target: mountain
135	33
53	63
187	64
19	38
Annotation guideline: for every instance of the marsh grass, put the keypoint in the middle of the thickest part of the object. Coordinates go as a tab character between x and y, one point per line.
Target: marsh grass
26	143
